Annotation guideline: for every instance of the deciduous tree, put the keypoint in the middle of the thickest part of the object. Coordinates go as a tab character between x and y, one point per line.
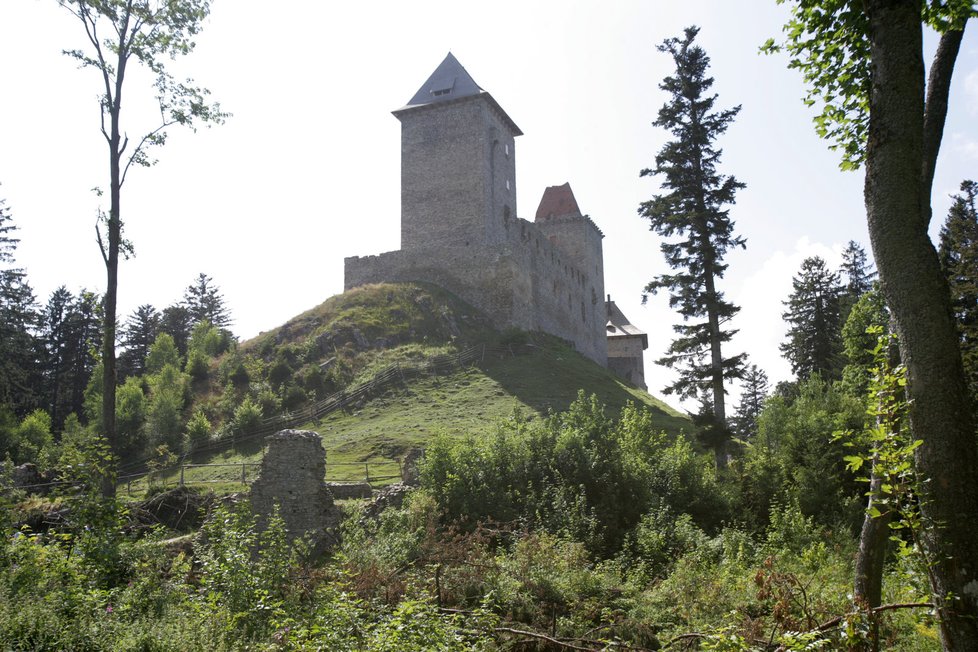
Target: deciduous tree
864	64
694	209
119	33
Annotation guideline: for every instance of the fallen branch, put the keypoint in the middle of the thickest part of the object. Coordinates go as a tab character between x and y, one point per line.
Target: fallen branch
875	610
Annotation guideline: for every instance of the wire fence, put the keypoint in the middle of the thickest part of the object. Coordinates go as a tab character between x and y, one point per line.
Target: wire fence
140	473
373	473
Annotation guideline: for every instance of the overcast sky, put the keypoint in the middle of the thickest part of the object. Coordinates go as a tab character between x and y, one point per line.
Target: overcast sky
307	171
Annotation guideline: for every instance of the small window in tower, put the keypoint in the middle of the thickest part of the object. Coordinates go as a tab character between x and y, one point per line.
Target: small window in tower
442	86
506	148
507	184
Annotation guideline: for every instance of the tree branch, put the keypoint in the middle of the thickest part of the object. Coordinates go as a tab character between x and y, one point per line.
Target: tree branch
935	112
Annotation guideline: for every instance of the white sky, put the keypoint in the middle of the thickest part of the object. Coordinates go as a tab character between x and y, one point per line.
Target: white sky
307	171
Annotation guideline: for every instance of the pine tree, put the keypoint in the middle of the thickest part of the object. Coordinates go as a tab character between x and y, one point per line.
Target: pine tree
959	259
858	275
18	320
814	338
204	302
693	210
71	333
138	334
755	389
175	322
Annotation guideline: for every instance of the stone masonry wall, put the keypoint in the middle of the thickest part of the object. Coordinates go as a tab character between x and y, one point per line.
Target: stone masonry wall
458	174
526	281
292	476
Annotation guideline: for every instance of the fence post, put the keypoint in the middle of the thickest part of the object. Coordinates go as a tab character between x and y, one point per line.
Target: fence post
243	473
182	467
366	470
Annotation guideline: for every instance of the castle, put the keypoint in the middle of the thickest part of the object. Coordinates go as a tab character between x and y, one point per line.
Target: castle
460	231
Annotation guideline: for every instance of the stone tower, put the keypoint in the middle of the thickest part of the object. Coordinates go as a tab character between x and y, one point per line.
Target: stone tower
458	163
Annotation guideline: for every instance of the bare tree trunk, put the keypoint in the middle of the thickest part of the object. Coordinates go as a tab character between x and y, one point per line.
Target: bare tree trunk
917	294
868	584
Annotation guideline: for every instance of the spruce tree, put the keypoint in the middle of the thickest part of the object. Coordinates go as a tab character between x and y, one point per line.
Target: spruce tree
814	344
857	275
204	302
692	213
138	334
18	321
959	258
755	389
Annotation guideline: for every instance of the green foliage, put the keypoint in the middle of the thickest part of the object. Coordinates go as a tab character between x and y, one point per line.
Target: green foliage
868	315
164	412
245	570
827	40
163	352
694	209
793	459
577	473
959	260
198	430
886	447
198	365
205	305
247	417
29	438
814	314
130	415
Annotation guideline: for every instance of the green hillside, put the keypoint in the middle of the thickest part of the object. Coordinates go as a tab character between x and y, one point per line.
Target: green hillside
351	337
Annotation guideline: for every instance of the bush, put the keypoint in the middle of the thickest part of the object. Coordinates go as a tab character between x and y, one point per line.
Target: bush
198	430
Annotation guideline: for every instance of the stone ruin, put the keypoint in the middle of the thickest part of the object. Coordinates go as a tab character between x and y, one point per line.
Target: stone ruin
292	476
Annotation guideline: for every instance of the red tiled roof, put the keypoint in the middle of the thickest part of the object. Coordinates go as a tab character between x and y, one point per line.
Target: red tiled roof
557	201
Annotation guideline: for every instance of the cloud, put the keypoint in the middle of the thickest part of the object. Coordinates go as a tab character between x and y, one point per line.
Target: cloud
966	146
760	297
971	91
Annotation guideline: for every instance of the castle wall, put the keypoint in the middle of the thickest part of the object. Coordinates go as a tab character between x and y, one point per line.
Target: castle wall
524	281
631	369
458	174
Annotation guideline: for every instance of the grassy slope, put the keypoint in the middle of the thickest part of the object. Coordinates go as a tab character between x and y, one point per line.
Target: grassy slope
412	322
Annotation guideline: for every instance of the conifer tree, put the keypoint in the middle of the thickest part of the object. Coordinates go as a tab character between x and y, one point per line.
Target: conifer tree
959	260
204	302
857	276
692	212
18	320
755	389
138	334
814	338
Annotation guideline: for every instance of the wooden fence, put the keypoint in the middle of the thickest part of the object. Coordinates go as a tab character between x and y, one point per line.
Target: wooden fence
393	374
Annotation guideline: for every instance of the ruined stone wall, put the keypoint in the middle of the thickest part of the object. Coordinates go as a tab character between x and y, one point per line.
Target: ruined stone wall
292	476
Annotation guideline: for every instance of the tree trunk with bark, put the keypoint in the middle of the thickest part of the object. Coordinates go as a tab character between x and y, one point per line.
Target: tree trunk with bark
897	195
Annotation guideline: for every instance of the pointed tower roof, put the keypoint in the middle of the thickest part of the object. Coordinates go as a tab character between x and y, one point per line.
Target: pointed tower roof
558	201
448	83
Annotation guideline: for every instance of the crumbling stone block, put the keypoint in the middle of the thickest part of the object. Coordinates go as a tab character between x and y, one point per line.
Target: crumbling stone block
292	476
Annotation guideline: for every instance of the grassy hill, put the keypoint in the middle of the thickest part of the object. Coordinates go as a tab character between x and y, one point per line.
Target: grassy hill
352	336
